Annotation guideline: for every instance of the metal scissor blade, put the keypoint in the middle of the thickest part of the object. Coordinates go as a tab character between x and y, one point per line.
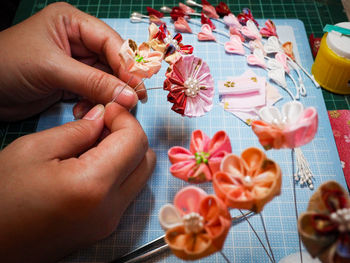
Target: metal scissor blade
158	245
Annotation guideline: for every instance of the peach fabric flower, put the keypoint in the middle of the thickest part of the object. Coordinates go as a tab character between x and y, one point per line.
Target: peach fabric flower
140	61
196	225
198	164
325	227
293	128
248	182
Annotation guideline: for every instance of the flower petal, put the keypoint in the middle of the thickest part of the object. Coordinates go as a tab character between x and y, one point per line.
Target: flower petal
169	217
199	142
188	199
183	170
253	158
178	154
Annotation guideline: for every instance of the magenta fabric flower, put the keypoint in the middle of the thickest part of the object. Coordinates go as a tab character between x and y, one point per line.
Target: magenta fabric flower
198	164
190	86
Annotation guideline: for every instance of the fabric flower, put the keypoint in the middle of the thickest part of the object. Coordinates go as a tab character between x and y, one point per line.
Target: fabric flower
248	182
140	61
198	164
196	225
325	227
190	86
245	16
293	128
222	9
161	40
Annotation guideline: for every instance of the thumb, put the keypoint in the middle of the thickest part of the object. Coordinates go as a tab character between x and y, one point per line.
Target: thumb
71	139
94	84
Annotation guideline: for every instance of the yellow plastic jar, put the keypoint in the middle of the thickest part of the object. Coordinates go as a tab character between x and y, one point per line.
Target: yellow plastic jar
332	64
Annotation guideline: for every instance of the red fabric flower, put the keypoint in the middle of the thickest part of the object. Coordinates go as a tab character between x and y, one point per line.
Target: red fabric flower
245	16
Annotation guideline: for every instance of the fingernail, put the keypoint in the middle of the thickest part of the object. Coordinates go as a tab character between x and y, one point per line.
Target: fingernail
125	96
95	113
144	100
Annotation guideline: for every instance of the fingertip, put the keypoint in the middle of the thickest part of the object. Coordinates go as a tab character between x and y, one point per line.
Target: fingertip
125	96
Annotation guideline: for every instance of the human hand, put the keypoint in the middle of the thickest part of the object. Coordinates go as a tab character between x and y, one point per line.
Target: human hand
60	191
58	52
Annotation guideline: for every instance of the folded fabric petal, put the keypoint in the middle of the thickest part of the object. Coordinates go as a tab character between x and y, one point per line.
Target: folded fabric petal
222	9
206	20
210	11
325	227
293	128
205	224
245	16
181	25
169	217
206	33
269	29
186	9
177	12
256	59
282	58
272	45
248	182
256	44
250	30
235	32
154	12
234	46
231	21
156	20
288	49
278	76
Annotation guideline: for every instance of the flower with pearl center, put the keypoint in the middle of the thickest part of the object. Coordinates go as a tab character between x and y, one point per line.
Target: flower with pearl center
190	86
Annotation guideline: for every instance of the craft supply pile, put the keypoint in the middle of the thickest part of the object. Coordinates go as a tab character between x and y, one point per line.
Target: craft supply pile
196	224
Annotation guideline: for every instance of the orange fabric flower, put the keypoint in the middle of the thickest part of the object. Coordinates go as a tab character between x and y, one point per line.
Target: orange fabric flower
197	224
248	182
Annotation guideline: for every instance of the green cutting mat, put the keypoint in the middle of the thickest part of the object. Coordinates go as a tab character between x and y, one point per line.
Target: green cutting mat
314	14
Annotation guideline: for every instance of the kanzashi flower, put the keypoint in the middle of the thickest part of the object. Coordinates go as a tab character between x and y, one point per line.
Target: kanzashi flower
196	225
245	16
325	227
140	61
293	128
198	164
161	40
248	182
190	86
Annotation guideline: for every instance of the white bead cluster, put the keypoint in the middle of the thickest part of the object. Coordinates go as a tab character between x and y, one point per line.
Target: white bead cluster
279	123
193	222
169	40
304	175
191	87
342	218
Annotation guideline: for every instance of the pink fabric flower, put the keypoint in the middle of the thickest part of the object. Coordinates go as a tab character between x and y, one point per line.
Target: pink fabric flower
198	164
190	86
140	61
293	128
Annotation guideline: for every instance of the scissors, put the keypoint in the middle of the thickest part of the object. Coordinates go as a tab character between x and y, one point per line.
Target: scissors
158	246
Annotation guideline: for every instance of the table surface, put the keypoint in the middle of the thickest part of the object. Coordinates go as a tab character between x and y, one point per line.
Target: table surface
314	14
